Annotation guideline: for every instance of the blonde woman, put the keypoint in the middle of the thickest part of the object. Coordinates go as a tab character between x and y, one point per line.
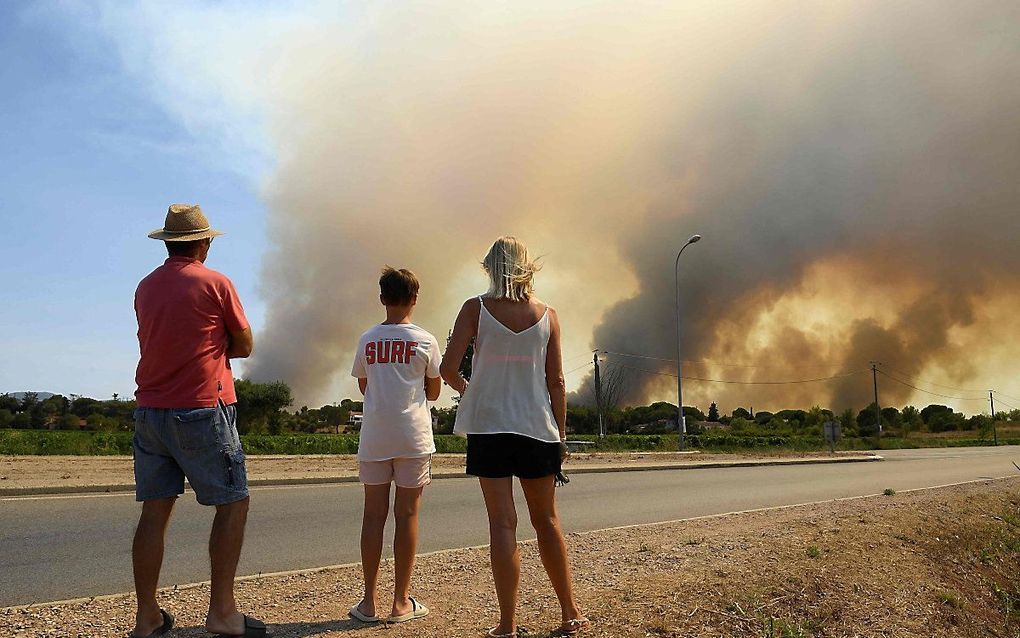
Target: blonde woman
514	416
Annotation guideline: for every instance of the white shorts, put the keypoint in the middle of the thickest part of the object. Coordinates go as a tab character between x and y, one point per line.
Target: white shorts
409	472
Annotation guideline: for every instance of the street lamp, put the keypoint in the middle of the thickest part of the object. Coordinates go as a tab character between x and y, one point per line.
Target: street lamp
681	421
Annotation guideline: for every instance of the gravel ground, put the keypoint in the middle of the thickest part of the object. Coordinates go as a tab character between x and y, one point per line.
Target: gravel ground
940	562
76	471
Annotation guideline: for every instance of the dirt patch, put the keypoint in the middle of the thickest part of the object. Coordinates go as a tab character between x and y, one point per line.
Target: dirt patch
77	471
940	562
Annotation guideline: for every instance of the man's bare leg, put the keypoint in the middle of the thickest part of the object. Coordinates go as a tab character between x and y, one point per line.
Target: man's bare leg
405	540
225	543
373	522
147	560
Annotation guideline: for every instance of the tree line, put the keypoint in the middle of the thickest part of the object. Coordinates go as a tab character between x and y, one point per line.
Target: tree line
266	408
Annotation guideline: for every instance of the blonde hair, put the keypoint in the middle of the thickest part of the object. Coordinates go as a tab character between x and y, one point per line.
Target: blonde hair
510	270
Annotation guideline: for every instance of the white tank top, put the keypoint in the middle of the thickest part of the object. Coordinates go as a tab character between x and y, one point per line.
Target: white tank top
508	392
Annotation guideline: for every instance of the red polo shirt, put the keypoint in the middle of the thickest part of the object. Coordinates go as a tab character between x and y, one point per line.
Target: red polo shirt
185	311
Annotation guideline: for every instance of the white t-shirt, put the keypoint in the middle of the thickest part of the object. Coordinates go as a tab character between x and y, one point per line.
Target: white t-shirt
396	358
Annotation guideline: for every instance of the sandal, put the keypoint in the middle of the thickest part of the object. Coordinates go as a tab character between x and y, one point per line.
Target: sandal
252	629
491	633
357	614
574	626
418	610
168	624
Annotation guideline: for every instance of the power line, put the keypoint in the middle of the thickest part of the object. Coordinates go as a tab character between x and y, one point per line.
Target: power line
730	381
938	385
580	367
944	396
1007	396
577	356
1008	404
718	363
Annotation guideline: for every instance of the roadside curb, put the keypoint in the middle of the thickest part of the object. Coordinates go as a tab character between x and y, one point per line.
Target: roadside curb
332	480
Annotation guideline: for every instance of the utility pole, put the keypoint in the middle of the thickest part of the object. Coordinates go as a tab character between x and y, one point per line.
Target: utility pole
995	431
878	411
598	393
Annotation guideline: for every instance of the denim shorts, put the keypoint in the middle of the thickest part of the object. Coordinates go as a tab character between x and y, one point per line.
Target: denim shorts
200	444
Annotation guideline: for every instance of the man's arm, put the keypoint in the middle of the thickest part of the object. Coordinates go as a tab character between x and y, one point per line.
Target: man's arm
240	343
362	384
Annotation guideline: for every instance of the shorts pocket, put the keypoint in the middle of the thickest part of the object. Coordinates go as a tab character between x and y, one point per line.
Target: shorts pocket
237	474
195	429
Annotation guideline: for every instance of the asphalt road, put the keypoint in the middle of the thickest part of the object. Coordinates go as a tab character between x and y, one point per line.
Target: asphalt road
60	547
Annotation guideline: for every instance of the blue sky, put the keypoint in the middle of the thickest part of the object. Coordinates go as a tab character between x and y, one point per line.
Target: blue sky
91	160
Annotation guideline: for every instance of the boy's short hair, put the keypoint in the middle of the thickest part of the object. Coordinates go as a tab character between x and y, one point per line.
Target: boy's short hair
397	287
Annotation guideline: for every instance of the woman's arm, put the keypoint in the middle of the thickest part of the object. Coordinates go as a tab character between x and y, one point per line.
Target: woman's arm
464	330
554	375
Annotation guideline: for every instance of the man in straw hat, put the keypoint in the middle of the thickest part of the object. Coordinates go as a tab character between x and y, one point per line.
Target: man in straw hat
190	324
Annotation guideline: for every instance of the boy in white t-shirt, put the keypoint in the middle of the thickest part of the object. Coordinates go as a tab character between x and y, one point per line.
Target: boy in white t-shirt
397	367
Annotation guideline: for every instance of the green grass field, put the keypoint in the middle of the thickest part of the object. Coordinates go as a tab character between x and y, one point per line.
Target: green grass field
41	442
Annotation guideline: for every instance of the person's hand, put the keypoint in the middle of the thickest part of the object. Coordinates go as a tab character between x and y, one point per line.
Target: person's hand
564	451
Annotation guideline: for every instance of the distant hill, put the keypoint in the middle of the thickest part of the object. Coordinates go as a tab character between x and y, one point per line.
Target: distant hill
42	396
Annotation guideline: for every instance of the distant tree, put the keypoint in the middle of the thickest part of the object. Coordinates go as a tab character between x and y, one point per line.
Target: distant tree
6	418
848	424
739	425
67	422
333	416
693	414
1014	415
891	419
22	421
444	418
933	409
29	401
713	412
741	413
259	404
9	403
763	417
867	424
983	424
910	420
945	421
107	424
83	406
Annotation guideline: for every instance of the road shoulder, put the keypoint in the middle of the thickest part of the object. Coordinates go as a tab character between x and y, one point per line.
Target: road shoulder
930	562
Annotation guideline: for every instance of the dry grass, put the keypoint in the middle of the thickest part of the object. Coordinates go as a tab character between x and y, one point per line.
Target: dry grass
942	562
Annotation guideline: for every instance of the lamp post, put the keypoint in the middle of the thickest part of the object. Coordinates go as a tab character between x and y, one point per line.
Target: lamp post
681	421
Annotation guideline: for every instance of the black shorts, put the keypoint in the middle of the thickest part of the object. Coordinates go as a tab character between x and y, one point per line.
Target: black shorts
502	455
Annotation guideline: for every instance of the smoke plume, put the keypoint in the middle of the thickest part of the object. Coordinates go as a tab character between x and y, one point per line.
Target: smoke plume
852	166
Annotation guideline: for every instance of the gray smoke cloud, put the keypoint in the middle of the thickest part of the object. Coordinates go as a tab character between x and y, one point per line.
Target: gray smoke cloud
852	165
892	150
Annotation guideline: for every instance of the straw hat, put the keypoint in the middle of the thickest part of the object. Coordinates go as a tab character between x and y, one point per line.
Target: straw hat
184	222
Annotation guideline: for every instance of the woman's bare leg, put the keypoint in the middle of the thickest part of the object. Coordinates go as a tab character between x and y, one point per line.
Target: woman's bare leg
541	496
506	560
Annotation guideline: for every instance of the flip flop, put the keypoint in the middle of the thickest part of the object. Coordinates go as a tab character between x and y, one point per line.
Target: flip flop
252	629
356	614
492	633
168	624
417	611
573	626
